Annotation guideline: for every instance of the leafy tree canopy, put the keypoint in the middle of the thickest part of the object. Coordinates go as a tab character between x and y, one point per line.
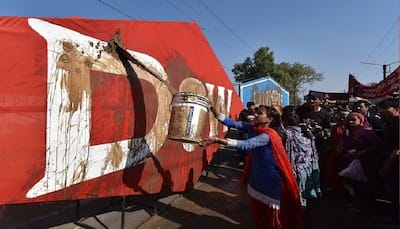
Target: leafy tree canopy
292	77
261	64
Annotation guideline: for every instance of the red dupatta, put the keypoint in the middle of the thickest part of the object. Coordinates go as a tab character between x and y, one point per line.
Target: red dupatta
291	209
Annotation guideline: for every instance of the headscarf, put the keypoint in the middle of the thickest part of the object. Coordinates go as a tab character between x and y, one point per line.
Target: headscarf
362	137
363	121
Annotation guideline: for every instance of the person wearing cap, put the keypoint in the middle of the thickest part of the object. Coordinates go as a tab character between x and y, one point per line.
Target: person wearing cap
318	121
315	111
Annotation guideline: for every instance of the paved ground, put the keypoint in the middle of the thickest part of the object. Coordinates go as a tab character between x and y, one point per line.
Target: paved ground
218	200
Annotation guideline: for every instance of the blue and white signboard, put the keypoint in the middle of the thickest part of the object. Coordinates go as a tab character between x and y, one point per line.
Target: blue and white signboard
263	91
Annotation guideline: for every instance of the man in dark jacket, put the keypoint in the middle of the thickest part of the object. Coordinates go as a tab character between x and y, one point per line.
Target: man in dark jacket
316	114
319	122
364	107
247	115
389	151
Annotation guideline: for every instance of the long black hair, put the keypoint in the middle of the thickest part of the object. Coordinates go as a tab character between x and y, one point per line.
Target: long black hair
291	118
274	114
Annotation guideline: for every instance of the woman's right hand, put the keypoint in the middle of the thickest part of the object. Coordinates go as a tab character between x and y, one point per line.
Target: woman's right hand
213	140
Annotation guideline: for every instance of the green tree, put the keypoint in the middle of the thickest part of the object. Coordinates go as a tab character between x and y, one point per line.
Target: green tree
260	65
295	76
292	77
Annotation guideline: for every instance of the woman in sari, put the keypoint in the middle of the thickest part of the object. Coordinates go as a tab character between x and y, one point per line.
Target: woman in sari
359	143
274	193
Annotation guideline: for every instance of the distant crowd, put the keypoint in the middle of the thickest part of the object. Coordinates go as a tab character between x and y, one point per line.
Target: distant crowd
348	149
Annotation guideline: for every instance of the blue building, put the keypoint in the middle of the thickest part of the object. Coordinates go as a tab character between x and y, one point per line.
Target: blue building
263	91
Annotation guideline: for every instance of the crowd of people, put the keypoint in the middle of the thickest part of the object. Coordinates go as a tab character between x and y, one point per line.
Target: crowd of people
296	154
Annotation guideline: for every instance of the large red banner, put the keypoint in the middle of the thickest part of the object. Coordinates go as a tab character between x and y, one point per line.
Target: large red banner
383	89
76	122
